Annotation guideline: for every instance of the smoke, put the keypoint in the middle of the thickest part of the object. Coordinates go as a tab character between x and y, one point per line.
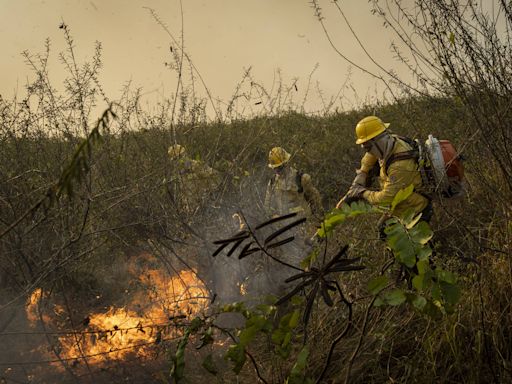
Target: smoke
120	330
256	276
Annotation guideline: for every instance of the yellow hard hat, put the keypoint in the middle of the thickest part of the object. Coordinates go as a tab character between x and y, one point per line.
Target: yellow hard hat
368	128
277	157
176	151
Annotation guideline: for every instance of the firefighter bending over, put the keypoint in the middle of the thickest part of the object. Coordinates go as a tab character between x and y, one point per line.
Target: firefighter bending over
290	190
398	170
192	181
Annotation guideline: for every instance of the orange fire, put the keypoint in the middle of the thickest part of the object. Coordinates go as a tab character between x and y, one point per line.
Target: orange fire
131	330
32	303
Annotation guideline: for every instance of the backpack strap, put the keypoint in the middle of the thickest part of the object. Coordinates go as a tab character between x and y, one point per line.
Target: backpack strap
412	154
298	181
412	143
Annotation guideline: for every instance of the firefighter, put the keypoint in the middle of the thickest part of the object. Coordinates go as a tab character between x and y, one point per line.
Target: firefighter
193	185
398	170
192	181
290	190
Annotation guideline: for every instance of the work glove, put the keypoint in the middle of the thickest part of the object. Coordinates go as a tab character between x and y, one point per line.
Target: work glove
354	193
360	178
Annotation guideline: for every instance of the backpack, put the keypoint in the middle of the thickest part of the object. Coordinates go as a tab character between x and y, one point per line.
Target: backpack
440	166
298	181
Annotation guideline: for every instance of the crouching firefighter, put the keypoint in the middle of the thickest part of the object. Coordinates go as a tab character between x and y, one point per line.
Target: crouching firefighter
398	170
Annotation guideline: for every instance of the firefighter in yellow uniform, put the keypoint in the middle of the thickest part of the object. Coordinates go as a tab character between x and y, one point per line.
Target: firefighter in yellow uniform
192	180
397	170
192	186
290	190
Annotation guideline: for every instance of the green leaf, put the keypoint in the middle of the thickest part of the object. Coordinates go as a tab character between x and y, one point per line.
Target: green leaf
421	233
418	282
247	335
206	338
178	361
236	354
294	320
432	310
355	207
436	292
310	259
234	307
393	230
345	209
402	195
285	320
297	300
451	293
423	253
411	223
338	216
423	266
419	302
392	240
266	309
329	224
377	284
278	336
445	276
404	251
283	352
392	220
287	339
297	372
209	365
378	302
195	324
395	297
409	217
256	321
253	325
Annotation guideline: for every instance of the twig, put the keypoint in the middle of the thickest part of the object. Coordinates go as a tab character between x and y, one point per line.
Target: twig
360	341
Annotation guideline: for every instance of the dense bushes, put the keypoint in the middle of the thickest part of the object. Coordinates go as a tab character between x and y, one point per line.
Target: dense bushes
121	202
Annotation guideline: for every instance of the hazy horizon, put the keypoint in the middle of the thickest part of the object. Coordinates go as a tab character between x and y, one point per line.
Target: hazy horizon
223	38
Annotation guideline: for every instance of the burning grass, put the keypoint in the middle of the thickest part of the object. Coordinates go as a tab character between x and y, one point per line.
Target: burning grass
155	313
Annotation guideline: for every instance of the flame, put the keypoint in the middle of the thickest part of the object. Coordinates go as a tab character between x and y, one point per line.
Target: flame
32	303
133	329
32	310
243	289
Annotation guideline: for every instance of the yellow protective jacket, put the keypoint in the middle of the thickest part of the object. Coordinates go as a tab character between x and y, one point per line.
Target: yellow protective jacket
193	181
290	192
400	175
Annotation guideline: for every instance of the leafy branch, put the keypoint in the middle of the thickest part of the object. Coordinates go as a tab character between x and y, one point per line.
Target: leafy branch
77	168
320	282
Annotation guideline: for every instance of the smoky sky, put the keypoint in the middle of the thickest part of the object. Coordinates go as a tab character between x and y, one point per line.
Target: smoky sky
223	38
